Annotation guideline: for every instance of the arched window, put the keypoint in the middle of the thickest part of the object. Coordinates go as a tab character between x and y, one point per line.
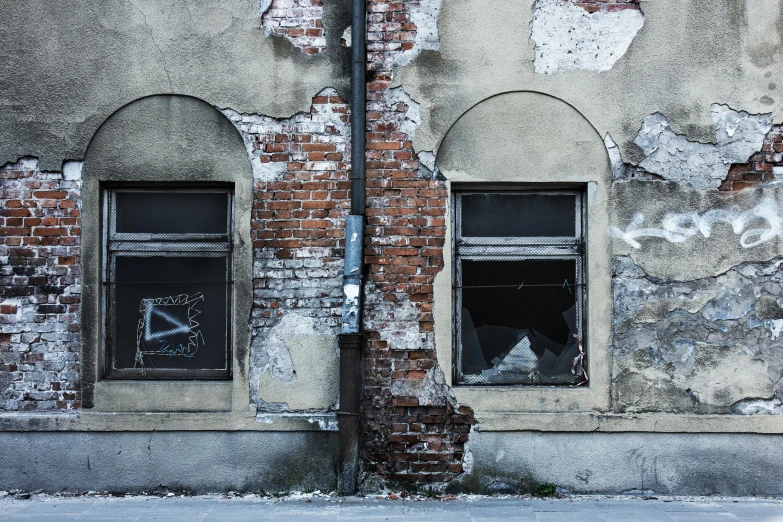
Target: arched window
167	188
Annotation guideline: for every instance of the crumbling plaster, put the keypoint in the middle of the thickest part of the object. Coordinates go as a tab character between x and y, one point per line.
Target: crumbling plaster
701	165
56	88
710	345
684	59
294	366
570	38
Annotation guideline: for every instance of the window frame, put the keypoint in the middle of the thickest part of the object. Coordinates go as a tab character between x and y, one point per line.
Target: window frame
517	248
122	244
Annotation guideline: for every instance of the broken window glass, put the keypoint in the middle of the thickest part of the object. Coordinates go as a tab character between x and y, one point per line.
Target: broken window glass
168	283
519	302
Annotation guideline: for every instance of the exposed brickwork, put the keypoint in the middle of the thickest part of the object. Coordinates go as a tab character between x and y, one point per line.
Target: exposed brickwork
759	167
300	21
298	220
39	288
605	6
412	431
389	33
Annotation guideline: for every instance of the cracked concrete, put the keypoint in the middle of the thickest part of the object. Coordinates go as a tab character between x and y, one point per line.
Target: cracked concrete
569	38
738	135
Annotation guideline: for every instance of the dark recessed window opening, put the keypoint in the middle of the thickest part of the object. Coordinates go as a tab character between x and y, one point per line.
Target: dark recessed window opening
168	274
519	288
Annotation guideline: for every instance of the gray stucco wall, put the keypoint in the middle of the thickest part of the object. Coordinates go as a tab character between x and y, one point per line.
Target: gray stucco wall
651	463
192	461
65	67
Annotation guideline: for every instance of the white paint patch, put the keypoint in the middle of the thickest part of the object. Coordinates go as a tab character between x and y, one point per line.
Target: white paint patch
754	406
701	165
775	327
568	38
350	308
72	170
427	158
615	158
412	118
425	16
345	39
680	227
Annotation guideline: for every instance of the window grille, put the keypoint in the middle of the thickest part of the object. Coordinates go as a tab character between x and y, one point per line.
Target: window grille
519	288
168	282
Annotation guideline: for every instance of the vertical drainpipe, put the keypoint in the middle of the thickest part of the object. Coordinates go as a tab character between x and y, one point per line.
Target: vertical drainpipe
350	338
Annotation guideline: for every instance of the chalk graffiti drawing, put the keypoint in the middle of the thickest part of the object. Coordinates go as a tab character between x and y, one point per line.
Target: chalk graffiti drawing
754	226
164	319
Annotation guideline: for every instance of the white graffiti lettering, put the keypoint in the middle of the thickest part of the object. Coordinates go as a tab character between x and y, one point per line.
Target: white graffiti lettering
680	227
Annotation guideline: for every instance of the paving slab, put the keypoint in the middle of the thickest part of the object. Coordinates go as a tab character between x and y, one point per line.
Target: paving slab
323	508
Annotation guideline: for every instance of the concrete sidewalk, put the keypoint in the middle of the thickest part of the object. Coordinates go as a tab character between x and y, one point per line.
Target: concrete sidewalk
324	508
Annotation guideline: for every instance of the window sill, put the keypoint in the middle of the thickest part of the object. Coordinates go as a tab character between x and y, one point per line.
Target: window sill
163	396
487	399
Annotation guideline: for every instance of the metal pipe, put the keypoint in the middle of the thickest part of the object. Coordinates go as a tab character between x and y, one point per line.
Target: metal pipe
358	104
350	338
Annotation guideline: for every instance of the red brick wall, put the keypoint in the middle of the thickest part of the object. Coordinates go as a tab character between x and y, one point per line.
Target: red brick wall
606	6
300	200
411	429
300	21
39	289
759	167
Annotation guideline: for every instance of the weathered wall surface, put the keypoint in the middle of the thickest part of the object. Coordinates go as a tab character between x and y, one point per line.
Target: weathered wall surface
633	463
300	199
684	97
201	462
89	59
414	429
40	290
684	59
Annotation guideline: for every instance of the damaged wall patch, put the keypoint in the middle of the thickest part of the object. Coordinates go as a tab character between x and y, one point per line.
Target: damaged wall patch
300	21
701	165
567	37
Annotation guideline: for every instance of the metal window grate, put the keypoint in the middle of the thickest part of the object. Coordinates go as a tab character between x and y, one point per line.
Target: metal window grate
519	298
168	282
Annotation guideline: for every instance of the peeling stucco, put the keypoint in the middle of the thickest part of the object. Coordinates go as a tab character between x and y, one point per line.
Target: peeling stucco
332	126
755	406
696	346
568	38
294	366
738	135
301	22
412	116
615	158
424	14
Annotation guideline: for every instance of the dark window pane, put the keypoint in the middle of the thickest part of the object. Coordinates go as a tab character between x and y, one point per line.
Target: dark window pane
519	215
170	312
172	212
518	320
